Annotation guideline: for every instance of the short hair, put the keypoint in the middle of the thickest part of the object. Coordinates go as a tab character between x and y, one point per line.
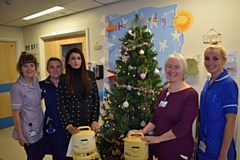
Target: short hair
182	62
25	58
216	45
53	59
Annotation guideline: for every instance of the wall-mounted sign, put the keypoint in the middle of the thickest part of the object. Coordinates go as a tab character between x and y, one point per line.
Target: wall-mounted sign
211	35
231	64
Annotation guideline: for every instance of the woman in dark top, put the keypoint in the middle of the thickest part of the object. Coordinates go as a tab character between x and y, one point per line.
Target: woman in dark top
78	95
176	109
53	129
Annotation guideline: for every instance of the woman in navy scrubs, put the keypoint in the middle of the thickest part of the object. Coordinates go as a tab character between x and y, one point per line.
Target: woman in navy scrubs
218	109
55	143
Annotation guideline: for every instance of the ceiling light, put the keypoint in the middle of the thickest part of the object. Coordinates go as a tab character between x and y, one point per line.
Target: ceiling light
54	9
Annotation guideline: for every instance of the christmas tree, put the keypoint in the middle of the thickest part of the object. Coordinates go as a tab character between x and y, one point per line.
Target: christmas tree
131	100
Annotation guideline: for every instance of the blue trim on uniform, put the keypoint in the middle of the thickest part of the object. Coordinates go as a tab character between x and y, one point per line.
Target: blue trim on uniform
5	87
6	122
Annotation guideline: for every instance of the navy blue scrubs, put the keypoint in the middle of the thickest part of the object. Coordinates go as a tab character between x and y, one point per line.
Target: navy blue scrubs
55	143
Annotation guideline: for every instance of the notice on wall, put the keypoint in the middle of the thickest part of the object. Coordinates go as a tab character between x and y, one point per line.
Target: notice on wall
231	64
212	35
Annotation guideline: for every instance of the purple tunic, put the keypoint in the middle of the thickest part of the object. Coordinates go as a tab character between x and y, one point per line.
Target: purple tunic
178	116
28	98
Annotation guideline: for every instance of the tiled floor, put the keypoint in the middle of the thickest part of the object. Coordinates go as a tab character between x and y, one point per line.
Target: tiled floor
10	149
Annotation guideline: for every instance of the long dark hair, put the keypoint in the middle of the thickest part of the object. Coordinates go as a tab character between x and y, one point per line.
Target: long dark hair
83	73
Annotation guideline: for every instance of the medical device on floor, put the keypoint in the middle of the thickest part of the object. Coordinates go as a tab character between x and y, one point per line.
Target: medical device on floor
84	144
134	147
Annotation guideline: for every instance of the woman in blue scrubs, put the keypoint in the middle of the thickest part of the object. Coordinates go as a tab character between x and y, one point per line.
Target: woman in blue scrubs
218	109
55	143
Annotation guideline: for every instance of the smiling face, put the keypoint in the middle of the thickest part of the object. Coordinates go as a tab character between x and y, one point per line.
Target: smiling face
75	60
214	61
54	69
28	70
173	70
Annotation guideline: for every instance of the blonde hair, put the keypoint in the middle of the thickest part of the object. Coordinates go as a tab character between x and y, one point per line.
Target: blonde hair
182	62
216	45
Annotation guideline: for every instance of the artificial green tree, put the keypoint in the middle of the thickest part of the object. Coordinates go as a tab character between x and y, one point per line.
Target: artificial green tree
131	100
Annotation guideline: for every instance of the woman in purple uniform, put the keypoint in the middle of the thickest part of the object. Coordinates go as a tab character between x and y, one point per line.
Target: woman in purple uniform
26	108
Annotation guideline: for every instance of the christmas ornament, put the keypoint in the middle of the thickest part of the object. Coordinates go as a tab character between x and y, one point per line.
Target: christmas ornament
121	136
143	124
110	116
107	126
125	104
120	46
129	87
106	98
131	67
117	70
156	71
141	52
125	57
132	33
143	75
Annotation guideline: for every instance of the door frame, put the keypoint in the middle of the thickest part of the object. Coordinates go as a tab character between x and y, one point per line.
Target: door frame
42	62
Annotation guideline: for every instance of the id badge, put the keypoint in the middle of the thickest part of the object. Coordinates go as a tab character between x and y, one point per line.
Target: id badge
202	146
50	130
163	104
31	133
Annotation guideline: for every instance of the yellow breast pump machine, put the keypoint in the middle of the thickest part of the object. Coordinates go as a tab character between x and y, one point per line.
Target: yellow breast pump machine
134	147
84	144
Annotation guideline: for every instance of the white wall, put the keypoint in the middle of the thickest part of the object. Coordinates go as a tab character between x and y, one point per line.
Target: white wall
218	14
74	23
13	34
